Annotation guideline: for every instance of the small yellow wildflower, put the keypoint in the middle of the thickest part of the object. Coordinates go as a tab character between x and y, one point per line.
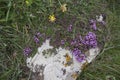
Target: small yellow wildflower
63	7
28	2
52	18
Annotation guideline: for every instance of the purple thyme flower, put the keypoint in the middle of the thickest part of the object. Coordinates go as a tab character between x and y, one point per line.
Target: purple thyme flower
79	56
36	39
76	52
90	35
62	41
27	51
38	34
90	40
93	24
69	28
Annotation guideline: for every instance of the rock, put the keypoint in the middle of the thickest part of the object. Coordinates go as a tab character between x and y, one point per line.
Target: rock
57	63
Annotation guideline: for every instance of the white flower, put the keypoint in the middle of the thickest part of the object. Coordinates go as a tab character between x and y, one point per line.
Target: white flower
99	18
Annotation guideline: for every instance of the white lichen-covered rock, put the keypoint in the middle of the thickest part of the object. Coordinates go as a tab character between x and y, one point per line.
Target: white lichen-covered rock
57	64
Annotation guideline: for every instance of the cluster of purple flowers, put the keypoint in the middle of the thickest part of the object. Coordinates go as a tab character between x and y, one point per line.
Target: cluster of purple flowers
79	56
90	40
27	51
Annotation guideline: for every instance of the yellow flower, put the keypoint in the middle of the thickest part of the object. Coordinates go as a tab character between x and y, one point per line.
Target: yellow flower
52	18
28	2
63	7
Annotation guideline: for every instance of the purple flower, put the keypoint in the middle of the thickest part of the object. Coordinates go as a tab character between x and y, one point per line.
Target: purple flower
38	34
62	41
79	56
69	28
90	40
27	51
36	39
76	52
93	24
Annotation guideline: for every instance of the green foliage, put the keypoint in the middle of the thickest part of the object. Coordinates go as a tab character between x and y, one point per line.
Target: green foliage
19	21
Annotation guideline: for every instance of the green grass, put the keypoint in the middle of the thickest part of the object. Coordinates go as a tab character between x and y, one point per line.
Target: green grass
107	64
17	28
